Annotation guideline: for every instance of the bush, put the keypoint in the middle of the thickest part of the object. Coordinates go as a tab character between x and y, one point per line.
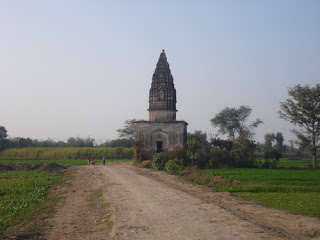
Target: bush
174	166
220	157
269	164
159	161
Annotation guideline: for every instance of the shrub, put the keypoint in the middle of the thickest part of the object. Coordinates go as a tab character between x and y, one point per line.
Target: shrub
174	166
220	157
269	164
159	161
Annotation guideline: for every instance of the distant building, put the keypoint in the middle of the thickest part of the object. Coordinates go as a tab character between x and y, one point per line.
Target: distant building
162	133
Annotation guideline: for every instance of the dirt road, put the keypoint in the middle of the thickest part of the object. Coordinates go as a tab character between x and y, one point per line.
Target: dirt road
119	201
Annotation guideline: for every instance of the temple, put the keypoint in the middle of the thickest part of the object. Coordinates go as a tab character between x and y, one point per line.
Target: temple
162	133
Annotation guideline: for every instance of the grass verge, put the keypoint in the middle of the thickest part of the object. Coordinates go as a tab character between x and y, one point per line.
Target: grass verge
294	190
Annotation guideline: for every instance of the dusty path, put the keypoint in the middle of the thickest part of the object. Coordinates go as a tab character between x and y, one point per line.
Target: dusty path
154	205
145	204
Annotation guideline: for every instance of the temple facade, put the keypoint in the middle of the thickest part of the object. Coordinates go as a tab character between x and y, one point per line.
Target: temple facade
162	133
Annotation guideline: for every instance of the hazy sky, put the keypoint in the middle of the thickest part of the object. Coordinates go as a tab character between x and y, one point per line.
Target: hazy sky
81	68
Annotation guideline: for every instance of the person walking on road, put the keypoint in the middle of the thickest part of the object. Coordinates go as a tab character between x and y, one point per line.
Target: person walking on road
89	158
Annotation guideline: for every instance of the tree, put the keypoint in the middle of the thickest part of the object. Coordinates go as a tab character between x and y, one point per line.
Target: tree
3	137
303	109
232	121
202	154
194	145
279	142
268	139
129	129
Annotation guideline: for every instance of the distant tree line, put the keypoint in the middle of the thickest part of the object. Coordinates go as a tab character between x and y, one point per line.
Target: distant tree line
20	142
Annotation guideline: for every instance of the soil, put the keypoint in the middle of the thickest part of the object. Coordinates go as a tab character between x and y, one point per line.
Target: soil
48	167
120	201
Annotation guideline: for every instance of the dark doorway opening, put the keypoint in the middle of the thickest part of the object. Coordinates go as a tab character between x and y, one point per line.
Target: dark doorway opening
159	147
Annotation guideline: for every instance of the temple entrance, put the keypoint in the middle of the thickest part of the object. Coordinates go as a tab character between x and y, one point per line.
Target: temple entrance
159	147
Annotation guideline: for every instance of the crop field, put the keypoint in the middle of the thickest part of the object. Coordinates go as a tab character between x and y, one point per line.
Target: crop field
69	153
295	190
21	191
293	162
5	160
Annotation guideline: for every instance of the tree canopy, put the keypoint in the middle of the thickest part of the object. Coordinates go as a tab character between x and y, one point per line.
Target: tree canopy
232	122
302	108
3	136
129	129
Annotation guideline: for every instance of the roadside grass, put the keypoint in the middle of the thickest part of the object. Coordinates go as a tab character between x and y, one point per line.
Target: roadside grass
103	208
296	177
294	190
5	160
20	192
306	203
293	162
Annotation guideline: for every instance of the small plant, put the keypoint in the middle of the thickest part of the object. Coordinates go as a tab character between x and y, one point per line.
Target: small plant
174	166
159	161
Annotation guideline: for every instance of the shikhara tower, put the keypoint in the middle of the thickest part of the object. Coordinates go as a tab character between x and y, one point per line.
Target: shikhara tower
162	133
162	94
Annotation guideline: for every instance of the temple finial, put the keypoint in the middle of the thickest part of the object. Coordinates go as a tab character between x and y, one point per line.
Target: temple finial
162	50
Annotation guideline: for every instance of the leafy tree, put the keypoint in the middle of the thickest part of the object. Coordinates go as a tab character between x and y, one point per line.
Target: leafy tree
220	152
222	144
194	145
129	129
268	139
232	122
273	152
279	142
303	109
202	155
3	137
242	152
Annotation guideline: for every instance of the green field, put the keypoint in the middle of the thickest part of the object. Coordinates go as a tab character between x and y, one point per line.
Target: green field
69	153
293	162
21	191
288	177
5	160
295	190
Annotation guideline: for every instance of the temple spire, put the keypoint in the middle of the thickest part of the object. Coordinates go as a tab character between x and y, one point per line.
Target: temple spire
162	95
